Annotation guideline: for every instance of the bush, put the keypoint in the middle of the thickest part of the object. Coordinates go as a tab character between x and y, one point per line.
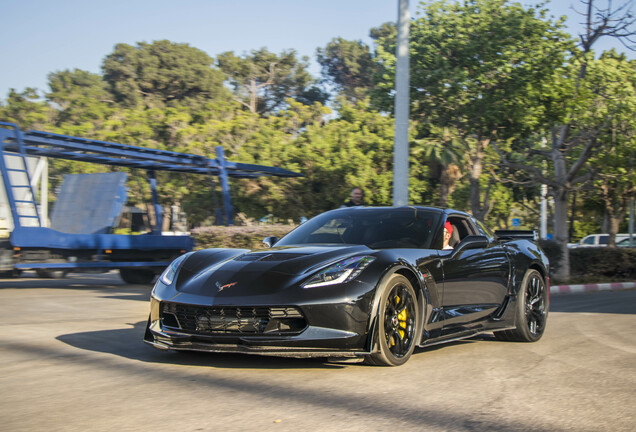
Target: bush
593	264
603	262
248	237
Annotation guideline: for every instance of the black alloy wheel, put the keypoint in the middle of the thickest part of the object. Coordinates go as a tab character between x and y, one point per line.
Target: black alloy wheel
398	316
532	310
536	312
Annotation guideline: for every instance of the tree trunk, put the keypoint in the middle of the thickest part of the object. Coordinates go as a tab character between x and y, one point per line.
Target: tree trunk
561	194
448	181
253	96
561	234
476	167
615	212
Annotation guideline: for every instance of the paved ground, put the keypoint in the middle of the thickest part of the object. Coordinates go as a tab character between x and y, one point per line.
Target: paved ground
72	360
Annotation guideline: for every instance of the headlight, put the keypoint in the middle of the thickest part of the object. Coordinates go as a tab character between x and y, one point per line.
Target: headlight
169	273
342	272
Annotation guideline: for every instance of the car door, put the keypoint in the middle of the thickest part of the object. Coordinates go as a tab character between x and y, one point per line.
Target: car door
475	280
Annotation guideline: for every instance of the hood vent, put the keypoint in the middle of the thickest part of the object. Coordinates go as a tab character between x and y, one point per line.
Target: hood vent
251	257
282	256
268	256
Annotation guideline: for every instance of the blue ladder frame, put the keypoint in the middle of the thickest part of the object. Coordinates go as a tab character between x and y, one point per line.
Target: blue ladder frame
10	186
38	143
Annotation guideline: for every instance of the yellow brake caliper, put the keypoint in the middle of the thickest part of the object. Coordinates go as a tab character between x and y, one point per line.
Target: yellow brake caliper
402	318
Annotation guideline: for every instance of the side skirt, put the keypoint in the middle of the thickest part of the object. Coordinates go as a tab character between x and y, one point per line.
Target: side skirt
460	336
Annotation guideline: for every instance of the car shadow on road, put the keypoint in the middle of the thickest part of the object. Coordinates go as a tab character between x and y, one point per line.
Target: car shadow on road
129	343
371	404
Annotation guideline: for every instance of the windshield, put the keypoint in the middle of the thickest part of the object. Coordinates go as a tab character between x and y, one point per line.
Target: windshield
377	228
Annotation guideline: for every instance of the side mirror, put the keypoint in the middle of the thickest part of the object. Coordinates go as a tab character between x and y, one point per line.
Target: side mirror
471	242
270	241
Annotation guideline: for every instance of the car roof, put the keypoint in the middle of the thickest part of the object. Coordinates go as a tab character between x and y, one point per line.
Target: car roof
447	211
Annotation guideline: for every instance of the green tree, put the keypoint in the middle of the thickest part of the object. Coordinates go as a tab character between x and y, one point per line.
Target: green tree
444	152
262	81
27	109
476	67
353	150
582	103
614	173
162	73
349	67
79	97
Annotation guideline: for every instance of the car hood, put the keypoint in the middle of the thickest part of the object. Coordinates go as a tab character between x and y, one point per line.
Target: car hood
240	272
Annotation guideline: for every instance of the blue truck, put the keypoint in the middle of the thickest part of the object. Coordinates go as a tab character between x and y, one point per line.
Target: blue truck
80	235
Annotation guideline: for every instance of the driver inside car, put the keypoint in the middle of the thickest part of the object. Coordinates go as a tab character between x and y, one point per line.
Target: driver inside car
448	232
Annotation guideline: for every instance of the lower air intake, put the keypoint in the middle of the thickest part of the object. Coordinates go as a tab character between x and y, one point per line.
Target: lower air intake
232	320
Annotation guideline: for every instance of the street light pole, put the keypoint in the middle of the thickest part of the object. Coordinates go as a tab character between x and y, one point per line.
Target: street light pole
401	142
543	231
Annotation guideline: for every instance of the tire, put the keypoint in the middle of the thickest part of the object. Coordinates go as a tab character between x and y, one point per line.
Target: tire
531	310
10	274
137	276
51	274
398	315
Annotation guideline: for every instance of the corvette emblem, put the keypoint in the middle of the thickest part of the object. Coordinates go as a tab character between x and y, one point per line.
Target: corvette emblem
222	287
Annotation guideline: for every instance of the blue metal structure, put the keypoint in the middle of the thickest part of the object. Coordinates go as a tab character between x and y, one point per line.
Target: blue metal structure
72	250
90	203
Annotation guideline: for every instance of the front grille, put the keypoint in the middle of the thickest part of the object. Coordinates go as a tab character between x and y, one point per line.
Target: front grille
232	320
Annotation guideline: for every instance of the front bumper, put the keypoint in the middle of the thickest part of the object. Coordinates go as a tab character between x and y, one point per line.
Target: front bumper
313	342
327	330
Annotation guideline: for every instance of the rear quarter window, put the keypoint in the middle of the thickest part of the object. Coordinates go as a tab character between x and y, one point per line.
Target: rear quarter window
483	229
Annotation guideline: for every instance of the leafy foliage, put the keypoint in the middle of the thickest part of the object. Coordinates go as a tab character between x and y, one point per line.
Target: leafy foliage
477	69
349	66
161	74
262	81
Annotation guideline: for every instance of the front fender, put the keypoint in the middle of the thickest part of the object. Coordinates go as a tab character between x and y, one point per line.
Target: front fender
421	290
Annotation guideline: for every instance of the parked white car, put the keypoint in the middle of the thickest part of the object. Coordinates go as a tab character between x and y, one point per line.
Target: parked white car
598	240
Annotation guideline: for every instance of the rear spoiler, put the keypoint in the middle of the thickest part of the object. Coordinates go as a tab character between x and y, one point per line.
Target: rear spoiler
516	235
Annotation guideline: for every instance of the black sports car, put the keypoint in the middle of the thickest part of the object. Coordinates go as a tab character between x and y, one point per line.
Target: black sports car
361	281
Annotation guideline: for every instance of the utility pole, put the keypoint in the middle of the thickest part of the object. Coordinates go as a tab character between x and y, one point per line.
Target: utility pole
543	231
632	240
401	142
544	212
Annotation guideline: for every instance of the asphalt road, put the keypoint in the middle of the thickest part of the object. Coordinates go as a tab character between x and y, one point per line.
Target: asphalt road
72	359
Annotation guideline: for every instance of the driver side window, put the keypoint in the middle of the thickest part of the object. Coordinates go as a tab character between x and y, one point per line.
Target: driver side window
461	229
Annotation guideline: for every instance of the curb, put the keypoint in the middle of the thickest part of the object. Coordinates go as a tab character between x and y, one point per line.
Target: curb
575	289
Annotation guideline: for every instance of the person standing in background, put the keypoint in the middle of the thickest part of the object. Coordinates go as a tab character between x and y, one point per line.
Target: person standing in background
356	198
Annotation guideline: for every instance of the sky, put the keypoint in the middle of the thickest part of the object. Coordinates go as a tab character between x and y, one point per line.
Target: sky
38	37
